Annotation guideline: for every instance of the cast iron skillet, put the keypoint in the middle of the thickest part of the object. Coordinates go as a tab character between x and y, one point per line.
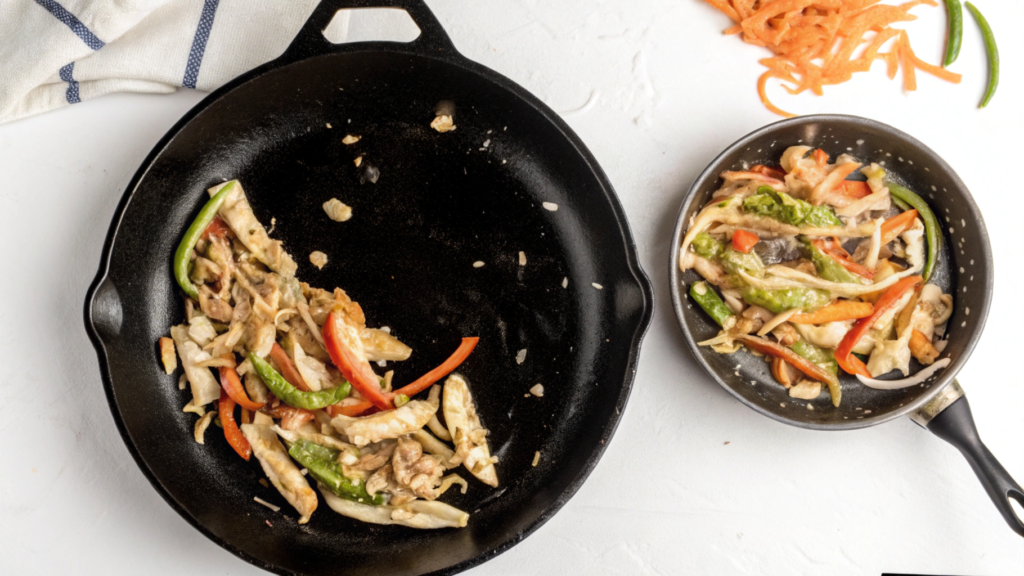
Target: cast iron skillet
964	270
442	202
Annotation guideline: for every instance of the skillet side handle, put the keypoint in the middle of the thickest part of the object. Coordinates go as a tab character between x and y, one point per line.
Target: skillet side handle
310	40
949	417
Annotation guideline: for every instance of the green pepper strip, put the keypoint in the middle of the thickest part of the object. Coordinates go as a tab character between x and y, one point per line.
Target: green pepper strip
329	473
708	299
993	56
827	267
932	228
183	256
956	31
291	395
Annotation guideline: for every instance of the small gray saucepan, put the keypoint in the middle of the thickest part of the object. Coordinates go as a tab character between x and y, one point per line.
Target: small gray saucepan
964	269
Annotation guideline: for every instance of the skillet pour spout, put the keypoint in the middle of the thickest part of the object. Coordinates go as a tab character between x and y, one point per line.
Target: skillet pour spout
963	269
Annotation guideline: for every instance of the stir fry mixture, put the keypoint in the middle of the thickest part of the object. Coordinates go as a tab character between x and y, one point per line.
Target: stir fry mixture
817	271
295	386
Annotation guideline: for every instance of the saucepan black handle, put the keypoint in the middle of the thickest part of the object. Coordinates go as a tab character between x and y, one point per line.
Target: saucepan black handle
955	425
310	41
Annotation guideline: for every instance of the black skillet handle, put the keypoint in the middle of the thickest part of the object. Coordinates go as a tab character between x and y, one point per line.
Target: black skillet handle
310	41
949	417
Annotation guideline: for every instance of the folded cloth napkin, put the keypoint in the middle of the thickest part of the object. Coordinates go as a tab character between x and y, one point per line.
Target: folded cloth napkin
59	52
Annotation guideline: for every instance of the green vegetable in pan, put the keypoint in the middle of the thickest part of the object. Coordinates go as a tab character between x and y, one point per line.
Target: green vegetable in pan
708	299
932	228
808	299
183	256
291	395
329	473
827	266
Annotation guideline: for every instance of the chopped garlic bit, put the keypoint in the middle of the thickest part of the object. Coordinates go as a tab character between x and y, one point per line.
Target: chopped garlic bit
596	285
318	259
565	282
328	125
550	206
443	123
337	210
358	161
478	264
522	258
537	390
350	139
536	458
521	356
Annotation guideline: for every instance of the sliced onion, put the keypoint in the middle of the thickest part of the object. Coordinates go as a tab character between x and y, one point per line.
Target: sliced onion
906	382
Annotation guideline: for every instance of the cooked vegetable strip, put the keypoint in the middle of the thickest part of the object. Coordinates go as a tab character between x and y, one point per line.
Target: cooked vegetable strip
932	227
387	424
288	369
812	370
955	32
844	352
293	396
280	470
235	438
321	465
415	514
232	384
828	266
708	300
183	256
836	312
341	340
893	227
993	54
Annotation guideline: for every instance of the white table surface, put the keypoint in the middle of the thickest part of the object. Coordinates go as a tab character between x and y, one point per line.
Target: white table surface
693	482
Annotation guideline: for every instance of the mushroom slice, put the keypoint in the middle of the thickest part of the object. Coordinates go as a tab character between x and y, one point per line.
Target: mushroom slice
469	435
280	469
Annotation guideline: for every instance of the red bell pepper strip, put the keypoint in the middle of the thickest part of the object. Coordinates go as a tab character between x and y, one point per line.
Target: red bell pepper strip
339	339
853	189
419	385
844	352
777	173
897	225
288	370
820	157
744	241
217	227
232	384
234	436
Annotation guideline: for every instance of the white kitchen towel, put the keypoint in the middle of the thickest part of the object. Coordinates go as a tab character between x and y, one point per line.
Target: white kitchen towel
59	52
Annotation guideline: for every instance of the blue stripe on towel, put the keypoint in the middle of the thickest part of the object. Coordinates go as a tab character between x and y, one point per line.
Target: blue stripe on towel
195	55
72	92
61	13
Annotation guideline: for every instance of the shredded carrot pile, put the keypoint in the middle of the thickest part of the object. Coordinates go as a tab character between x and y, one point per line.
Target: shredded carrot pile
815	41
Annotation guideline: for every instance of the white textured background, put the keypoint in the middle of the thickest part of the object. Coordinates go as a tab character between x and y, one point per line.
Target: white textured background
655	91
